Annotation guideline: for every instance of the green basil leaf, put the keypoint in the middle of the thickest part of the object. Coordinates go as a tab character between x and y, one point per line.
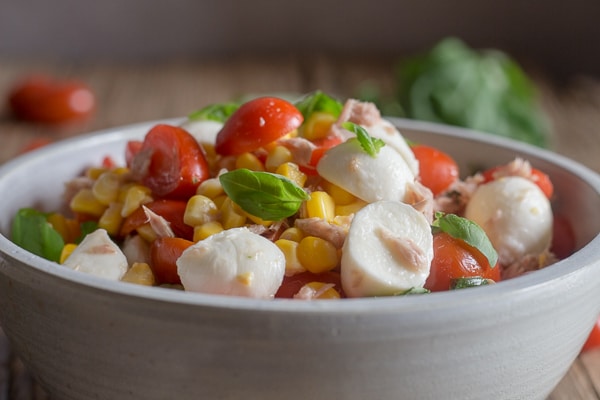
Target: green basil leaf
31	231
268	196
467	230
319	102
86	228
369	144
214	112
472	281
414	290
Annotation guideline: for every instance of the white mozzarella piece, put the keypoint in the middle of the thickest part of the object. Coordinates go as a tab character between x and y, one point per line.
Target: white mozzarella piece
388	250
98	255
516	216
204	131
234	262
383	177
387	132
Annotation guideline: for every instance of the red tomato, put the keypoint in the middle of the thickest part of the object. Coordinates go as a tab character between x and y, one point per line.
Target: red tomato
593	340
164	253
257	123
538	177
42	99
292	284
131	149
171	210
454	258
563	237
437	170
171	162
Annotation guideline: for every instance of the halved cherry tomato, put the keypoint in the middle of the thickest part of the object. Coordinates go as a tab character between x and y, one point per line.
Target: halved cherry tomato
170	210
46	100
537	176
131	149
171	162
437	170
256	123
292	284
563	237
164	253
453	259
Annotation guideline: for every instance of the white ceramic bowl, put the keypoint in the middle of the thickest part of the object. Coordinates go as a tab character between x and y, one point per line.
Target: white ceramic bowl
87	338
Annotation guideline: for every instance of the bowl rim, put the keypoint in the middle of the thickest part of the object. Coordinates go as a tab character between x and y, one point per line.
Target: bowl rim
523	285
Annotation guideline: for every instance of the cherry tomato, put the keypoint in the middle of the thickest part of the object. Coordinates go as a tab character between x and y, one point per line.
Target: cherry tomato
164	253
593	340
131	149
257	123
537	176
454	258
437	170
46	100
171	162
563	237
171	210
292	284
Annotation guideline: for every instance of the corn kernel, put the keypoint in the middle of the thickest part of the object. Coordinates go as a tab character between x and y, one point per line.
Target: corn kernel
231	215
95	172
132	197
321	290
320	205
220	200
85	202
141	274
245	278
277	156
292	233
289	248
199	210
351	208
317	255
106	187
66	252
210	188
249	161
339	195
317	125
146	232
67	227
203	231
292	172
111	218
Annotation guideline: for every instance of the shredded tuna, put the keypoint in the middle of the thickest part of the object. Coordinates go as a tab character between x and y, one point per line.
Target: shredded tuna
421	198
73	186
359	112
300	148
320	228
140	165
528	263
455	199
159	225
517	167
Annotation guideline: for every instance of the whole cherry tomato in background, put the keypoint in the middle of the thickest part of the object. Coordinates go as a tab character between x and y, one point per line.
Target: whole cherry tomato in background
256	123
54	101
453	259
538	177
437	170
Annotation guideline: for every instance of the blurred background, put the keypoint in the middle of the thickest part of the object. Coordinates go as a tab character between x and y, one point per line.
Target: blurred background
562	37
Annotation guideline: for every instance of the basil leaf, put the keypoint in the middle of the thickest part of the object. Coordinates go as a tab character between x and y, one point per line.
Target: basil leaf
473	281
214	112
31	231
268	196
413	290
469	231
370	145
319	102
86	228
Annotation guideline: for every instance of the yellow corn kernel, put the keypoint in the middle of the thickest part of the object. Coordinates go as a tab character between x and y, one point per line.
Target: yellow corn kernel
111	218
277	156
203	231
120	171
231	215
317	255
139	273
85	202
132	197
146	232
321	290
219	200
351	208
292	233
66	252
317	125
67	227
292	172
200	210
245	278
255	219
289	248
320	205
339	195
210	188
106	187
95	172
249	161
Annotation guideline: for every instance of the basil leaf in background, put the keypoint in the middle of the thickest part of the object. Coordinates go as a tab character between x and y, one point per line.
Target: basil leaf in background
86	228
473	281
32	232
214	112
413	290
484	90
268	196
319	102
469	231
370	145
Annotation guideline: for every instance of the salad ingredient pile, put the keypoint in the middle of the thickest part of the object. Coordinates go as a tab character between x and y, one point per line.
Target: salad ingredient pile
316	199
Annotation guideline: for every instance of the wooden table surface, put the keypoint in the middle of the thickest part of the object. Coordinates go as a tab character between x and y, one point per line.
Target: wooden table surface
133	93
